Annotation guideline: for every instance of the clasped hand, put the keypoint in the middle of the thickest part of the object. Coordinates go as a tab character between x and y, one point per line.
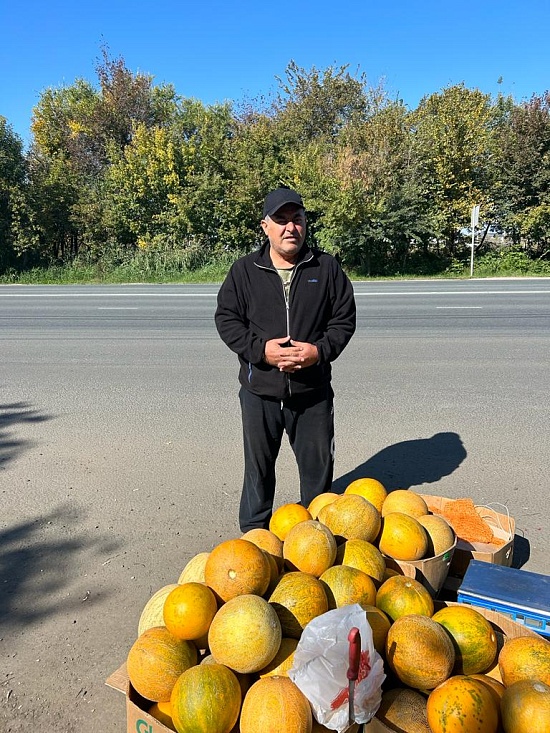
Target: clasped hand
298	355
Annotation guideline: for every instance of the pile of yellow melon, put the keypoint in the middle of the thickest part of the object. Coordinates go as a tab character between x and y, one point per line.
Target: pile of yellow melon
214	649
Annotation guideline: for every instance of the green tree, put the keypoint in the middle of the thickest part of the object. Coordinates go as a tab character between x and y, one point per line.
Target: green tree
12	181
454	133
523	162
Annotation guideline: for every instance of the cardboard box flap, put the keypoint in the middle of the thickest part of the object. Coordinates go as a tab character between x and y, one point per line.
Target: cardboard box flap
118	680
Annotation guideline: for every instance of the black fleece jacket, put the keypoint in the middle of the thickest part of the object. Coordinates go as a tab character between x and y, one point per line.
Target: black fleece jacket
251	310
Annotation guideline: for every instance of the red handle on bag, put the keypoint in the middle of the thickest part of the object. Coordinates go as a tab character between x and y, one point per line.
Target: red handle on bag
354	639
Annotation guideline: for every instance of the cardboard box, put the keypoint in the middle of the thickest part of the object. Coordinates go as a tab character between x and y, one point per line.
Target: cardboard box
504	629
138	719
431	572
503	526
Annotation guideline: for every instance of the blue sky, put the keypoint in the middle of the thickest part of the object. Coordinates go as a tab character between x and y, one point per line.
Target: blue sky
217	51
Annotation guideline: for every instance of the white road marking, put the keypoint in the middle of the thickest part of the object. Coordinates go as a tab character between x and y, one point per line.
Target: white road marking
458	307
137	294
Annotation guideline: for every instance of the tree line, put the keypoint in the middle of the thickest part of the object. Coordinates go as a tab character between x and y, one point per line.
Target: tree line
123	166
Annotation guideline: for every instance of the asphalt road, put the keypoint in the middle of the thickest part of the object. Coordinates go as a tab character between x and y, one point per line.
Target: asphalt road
120	452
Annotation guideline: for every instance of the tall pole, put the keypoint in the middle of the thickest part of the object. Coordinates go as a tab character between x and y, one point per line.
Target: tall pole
473	223
472	254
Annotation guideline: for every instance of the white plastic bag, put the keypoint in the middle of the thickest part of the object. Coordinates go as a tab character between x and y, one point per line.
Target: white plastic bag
321	662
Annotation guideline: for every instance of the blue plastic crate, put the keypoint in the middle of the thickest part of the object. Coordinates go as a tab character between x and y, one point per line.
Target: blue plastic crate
519	594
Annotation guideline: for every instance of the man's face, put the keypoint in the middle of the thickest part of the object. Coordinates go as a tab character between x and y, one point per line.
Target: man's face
286	231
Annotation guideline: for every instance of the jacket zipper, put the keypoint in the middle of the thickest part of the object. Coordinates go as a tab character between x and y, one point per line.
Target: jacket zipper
287	304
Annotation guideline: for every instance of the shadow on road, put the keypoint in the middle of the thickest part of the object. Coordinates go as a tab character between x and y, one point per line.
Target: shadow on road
410	463
39	560
14	414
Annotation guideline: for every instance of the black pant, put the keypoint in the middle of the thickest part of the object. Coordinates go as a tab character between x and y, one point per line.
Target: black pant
309	423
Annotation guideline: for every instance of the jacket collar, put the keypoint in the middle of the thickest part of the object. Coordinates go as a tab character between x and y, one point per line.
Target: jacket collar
263	258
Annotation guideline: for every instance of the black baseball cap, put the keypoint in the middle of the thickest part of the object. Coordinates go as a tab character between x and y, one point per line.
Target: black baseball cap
279	197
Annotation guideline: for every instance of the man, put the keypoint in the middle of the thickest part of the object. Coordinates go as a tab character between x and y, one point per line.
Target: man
287	311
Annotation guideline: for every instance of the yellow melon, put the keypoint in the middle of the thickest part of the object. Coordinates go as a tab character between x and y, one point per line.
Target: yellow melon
320	501
345	585
189	610
403	537
155	661
370	489
351	517
152	615
245	634
310	547
473	637
297	599
525	707
462	704
441	536
400	596
237	567
285	517
419	652
268	542
282	661
523	658
276	705
162	711
206	699
193	572
364	556
405	501
380	625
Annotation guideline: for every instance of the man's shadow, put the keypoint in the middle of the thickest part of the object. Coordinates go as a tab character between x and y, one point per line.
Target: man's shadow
409	463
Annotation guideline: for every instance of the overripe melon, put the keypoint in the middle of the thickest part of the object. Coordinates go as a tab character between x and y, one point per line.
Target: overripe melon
206	699
462	704
351	517
245	634
152	614
297	599
370	489
525	707
403	537
419	652
155	661
473	637
285	517
276	705
523	658
363	556
345	585
309	547
237	567
404	501
400	596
